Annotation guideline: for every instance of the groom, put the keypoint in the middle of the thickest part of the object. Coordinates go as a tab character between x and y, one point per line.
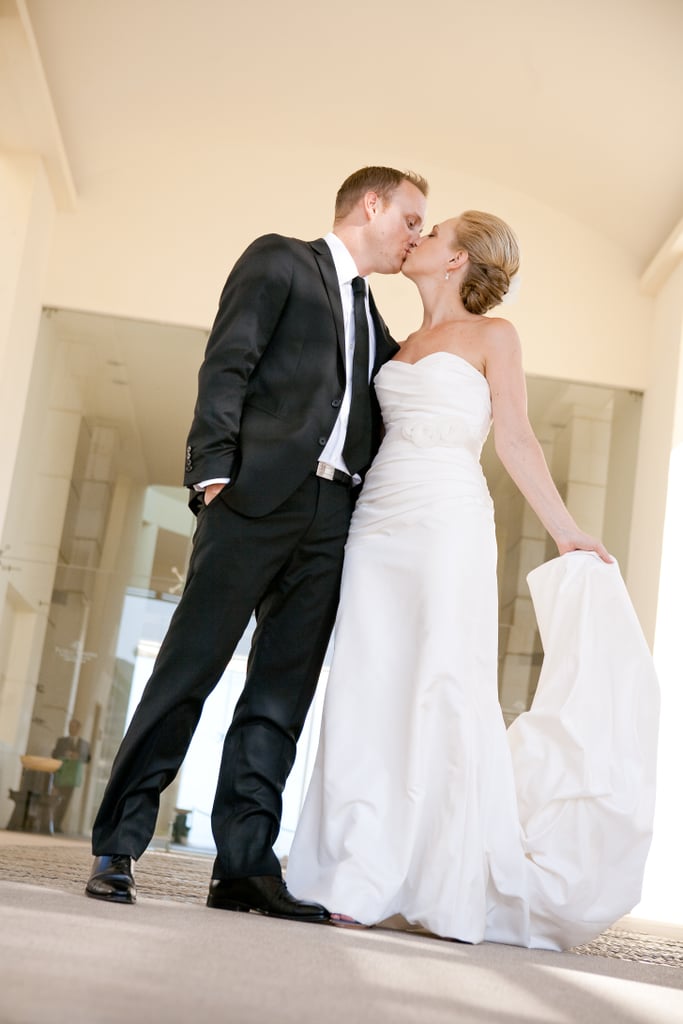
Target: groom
285	424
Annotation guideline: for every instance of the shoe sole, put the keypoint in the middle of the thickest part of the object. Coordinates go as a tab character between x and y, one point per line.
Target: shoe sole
114	897
241	908
244	908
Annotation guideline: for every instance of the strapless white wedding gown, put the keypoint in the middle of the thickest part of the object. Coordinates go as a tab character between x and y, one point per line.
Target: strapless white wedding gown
420	802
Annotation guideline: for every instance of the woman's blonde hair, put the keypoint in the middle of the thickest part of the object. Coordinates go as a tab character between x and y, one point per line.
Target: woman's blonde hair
493	252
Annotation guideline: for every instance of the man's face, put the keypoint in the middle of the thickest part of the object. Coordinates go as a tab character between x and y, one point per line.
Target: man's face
395	227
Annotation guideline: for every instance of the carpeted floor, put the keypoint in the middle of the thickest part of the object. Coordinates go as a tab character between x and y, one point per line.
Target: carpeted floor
184	877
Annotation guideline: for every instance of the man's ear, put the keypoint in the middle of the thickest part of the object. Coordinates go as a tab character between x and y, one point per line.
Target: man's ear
371	204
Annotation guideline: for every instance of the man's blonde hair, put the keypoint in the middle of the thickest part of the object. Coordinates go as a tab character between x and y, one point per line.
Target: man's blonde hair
382	180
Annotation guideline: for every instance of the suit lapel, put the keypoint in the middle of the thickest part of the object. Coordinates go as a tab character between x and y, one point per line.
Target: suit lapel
328	273
385	346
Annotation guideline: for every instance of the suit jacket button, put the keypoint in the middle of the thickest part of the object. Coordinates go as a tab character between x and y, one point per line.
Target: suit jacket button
322	441
336	402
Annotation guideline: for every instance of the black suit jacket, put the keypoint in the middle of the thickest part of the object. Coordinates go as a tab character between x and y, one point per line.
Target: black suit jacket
273	375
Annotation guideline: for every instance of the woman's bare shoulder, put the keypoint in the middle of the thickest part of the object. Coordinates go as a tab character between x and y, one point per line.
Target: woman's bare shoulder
497	328
501	349
500	337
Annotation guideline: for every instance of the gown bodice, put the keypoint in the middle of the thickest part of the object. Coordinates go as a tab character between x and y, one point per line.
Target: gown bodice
437	414
439	401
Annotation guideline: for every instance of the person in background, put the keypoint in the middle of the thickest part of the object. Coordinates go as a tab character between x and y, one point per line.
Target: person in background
74	753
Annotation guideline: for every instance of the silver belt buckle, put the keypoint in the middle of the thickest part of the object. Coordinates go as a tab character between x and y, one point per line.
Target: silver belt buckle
325	471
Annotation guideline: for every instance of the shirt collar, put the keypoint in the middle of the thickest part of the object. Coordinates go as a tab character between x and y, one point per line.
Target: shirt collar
344	263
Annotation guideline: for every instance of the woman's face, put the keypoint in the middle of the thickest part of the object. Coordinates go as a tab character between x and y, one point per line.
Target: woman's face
434	252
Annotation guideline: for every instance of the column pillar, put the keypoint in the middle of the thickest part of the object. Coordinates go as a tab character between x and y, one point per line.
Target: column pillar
656	571
575	437
27	212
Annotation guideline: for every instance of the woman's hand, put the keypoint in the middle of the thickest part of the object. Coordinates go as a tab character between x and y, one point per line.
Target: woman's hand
580	541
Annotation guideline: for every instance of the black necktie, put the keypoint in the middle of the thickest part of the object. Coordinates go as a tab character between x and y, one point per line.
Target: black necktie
357	447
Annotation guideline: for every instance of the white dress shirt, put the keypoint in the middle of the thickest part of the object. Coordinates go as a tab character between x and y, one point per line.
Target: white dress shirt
346	269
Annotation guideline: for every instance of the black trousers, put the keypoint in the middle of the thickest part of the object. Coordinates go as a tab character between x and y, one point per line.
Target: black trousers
286	567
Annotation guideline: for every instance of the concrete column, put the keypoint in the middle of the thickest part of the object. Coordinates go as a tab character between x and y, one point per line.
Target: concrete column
522	546
621	474
661	407
656	567
27	213
115	570
81	530
576	443
580	464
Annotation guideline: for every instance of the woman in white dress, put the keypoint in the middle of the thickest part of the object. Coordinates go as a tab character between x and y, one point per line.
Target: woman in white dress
420	803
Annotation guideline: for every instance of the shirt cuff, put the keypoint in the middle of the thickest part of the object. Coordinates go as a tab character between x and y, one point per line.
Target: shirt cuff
203	484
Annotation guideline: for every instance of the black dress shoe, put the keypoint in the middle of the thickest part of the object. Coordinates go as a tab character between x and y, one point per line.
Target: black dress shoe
112	879
266	894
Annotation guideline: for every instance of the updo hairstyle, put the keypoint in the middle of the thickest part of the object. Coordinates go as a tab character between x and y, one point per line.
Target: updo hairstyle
493	253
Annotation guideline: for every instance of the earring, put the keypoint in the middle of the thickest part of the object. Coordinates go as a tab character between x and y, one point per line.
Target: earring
448	274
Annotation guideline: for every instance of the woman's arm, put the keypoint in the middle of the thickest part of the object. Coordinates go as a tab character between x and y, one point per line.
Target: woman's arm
517	445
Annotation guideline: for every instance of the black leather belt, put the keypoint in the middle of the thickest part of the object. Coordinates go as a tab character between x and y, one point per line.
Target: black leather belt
337	476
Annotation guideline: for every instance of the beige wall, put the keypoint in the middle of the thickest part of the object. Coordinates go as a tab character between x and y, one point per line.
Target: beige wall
156	249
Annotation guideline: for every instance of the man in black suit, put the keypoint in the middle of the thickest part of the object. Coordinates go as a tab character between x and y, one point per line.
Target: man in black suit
284	427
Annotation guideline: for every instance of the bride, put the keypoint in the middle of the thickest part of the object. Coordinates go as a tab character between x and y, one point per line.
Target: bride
420	804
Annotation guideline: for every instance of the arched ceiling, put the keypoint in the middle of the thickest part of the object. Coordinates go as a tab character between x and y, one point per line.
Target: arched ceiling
576	103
